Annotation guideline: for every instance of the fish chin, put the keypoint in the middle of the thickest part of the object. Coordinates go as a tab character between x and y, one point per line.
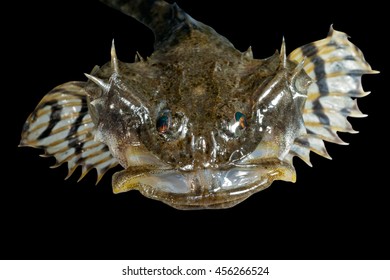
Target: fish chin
203	188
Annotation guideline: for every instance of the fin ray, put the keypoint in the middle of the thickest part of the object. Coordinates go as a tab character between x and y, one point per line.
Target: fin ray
336	67
62	126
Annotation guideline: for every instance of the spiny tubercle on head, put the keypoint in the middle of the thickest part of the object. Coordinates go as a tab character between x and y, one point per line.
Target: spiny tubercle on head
115	68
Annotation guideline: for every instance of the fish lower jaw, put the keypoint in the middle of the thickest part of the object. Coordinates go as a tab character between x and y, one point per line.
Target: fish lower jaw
203	188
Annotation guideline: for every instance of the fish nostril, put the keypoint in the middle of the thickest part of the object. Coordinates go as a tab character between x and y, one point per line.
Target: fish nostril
199	144
201	148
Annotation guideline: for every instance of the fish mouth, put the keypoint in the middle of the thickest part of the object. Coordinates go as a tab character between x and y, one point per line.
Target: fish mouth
208	188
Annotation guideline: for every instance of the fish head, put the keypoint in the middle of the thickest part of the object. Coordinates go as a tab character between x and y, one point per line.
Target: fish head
194	136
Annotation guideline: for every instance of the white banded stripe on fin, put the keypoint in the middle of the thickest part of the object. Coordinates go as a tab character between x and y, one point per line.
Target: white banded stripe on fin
302	147
61	125
336	67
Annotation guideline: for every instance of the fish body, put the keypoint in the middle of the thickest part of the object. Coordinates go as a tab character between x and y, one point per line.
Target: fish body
199	124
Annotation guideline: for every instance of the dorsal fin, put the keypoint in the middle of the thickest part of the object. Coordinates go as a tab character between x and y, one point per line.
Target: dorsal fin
162	18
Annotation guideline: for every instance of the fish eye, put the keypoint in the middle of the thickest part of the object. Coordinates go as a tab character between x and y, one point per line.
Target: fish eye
241	119
236	126
163	122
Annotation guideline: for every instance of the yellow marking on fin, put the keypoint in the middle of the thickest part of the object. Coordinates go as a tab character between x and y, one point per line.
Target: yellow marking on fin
332	127
44	111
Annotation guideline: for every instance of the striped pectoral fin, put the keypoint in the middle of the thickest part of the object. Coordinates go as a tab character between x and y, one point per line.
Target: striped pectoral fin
61	125
336	67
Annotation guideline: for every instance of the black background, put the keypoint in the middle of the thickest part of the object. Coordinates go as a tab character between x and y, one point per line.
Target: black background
338	209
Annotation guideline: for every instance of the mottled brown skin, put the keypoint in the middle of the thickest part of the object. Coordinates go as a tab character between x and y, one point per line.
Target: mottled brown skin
205	79
198	79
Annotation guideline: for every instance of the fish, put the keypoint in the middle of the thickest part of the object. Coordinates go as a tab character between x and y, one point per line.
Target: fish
199	124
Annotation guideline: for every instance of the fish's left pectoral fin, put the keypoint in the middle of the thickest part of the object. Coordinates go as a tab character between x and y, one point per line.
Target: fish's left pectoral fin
62	126
335	66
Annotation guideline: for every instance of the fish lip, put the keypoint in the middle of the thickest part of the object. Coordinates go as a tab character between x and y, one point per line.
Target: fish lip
204	193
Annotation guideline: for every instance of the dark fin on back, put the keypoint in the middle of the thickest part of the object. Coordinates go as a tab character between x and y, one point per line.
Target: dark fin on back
168	22
62	126
161	17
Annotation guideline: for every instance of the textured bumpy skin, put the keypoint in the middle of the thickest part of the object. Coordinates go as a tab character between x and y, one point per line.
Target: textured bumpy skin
200	124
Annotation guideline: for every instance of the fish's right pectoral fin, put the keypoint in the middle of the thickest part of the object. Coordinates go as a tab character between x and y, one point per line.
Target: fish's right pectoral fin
63	127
